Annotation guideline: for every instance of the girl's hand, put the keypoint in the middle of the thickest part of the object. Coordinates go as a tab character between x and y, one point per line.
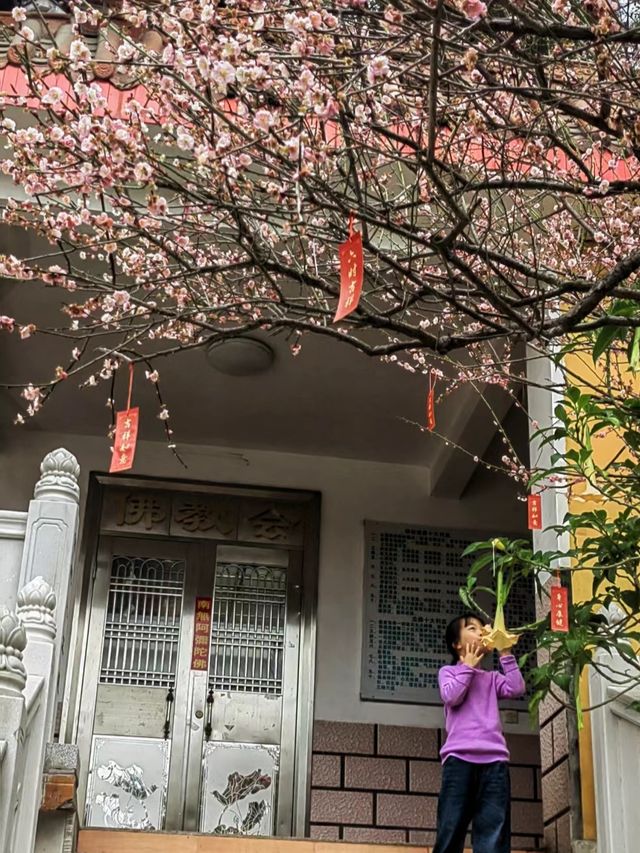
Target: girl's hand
472	655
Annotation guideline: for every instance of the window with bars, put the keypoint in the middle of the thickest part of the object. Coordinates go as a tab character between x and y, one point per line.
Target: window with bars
248	629
142	626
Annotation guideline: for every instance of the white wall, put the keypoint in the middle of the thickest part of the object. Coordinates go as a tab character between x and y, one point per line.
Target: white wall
352	491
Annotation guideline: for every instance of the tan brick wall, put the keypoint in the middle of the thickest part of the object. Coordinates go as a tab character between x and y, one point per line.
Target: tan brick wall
381	783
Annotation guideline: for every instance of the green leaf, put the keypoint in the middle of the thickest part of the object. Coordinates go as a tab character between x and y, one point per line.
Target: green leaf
561	413
573	393
633	351
631	599
476	546
573	645
604	339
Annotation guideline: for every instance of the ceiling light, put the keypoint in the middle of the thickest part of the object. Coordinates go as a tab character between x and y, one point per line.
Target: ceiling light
241	356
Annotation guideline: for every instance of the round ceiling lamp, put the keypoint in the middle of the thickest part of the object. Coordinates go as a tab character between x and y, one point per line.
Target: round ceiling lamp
241	356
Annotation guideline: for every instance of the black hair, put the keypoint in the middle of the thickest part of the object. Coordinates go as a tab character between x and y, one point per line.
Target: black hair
452	634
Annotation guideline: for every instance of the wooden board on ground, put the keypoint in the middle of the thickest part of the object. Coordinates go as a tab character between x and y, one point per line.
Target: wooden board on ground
125	841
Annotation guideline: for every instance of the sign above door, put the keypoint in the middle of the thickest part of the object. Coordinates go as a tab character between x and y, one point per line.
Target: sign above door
198	515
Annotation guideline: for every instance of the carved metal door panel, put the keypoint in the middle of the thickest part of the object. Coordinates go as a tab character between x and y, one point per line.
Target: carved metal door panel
190	687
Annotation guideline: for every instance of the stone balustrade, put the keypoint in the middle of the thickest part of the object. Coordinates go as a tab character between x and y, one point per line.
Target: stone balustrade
32	635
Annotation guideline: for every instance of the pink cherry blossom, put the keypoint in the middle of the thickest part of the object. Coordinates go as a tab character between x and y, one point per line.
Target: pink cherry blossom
378	69
142	171
79	53
223	74
263	120
474	9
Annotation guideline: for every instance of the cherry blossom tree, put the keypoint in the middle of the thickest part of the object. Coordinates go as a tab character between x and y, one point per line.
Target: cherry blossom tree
488	153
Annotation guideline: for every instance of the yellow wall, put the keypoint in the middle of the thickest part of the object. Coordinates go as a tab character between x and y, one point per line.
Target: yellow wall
582	498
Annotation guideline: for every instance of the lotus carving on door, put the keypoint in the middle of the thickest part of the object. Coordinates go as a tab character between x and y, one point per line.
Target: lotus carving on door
247	817
130	780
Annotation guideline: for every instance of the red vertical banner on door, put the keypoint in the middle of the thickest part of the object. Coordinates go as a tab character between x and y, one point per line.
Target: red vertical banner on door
559	608
351	273
534	504
201	634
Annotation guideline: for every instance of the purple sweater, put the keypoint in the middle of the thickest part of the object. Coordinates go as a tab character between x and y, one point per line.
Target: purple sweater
472	717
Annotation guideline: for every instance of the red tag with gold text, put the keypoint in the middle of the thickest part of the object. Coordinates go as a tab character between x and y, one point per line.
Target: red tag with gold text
535	512
124	445
201	635
559	608
351	274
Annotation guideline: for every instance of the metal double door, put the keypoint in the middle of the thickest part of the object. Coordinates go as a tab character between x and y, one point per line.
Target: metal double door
189	699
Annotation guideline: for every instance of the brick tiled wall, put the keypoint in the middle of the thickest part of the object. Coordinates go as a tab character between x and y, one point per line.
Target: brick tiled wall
554	751
375	783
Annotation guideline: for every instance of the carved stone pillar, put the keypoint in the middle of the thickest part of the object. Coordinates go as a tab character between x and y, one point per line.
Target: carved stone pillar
49	550
36	606
13	679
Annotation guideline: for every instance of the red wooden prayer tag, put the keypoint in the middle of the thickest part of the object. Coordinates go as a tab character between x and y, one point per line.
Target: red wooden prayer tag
431	412
351	274
124	445
535	512
431	403
559	608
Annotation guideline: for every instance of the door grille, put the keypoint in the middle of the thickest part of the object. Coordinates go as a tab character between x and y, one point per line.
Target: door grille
142	627
248	629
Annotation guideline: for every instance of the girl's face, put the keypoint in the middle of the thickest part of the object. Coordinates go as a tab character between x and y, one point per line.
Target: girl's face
470	635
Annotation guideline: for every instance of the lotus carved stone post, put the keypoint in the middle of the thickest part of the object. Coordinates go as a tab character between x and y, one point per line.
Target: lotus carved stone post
13	641
36	603
59	473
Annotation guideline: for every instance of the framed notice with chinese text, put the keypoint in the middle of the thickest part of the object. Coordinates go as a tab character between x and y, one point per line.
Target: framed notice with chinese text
412	579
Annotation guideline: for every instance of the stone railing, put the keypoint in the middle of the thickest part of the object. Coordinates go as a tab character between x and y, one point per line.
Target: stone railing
31	644
615	728
27	681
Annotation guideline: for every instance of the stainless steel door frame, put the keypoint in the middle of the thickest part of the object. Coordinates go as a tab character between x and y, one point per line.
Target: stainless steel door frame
84	660
285	816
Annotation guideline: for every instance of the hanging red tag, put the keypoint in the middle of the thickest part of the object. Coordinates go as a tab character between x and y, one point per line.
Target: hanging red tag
559	608
535	512
351	273
124	444
431	403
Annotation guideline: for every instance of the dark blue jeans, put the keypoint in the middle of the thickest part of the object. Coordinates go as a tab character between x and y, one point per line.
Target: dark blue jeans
476	794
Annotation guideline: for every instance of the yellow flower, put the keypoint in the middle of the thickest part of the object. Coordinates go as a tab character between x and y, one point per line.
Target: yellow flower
499	638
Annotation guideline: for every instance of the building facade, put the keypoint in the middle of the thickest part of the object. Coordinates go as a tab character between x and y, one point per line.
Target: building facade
243	639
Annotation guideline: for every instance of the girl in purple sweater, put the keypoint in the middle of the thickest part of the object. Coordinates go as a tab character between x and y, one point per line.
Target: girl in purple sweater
475	776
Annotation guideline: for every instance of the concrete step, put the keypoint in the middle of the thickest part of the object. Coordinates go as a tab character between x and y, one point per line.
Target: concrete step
126	841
